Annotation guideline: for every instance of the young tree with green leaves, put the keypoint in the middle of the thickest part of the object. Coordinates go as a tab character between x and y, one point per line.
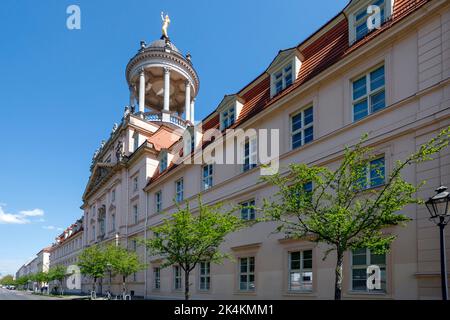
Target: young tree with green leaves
343	208
123	262
187	238
58	273
7	280
40	278
93	263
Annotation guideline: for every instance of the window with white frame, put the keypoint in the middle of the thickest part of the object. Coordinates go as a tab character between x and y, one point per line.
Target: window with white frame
156	278
135	141
163	161
302	129
282	79
113	195
158	201
93	232
361	17
205	276
250	154
300	271
113	222
248	210
372	174
179	190
134	245
207	176
360	260
135	213
135	184
368	93
177	277
227	117
247	274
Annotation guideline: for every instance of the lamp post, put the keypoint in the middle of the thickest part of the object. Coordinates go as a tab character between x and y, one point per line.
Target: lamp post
438	206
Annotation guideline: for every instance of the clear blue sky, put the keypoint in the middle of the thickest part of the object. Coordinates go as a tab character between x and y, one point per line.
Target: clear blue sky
61	90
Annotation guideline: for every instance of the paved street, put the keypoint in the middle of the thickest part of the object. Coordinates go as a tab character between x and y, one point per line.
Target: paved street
21	295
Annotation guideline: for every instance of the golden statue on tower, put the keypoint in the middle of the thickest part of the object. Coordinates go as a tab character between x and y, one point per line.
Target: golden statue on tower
166	22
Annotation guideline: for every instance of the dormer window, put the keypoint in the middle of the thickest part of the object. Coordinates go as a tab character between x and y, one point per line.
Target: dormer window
227	117
163	161
359	26
283	79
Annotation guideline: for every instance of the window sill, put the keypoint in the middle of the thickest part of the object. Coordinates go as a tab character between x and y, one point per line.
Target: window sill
365	295
245	293
300	294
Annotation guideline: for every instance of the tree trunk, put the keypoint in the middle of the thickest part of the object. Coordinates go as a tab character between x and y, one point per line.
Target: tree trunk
338	275
186	285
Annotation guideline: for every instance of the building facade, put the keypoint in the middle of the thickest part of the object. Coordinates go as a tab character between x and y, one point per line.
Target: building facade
344	80
65	251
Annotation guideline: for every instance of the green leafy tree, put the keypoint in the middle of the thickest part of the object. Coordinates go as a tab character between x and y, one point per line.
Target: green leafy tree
58	273
41	278
22	281
93	263
123	262
7	280
341	210
186	238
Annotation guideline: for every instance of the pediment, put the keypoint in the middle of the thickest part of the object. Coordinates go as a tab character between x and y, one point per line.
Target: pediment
99	172
283	57
228	100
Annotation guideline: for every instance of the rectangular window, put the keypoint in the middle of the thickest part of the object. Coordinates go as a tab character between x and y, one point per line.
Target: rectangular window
247	274
372	175
361	16
248	210
205	278
302	130
93	232
179	186
368	94
228	118
177	277
135	141
361	259
250	154
135	213
156	278
163	162
158	201
207	176
113	195
113	222
283	79
134	245
135	184
300	271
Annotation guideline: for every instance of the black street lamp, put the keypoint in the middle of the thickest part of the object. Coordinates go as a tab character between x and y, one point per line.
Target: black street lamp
438	206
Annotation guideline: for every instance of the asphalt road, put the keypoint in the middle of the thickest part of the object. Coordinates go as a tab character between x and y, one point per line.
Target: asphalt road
21	295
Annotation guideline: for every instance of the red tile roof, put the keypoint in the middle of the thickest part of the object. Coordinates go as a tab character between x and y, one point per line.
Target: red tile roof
321	54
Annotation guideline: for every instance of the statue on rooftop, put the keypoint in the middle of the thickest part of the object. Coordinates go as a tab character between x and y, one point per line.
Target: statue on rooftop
166	22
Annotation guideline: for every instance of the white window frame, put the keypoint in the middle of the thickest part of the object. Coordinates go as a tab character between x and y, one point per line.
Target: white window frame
156	278
135	213
113	222
163	161
369	93
179	191
300	271
177	278
252	154
135	141
248	203
204	275
207	181
247	273
353	24
303	127
230	117
368	178
281	72
368	263
158	201
113	195
135	184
